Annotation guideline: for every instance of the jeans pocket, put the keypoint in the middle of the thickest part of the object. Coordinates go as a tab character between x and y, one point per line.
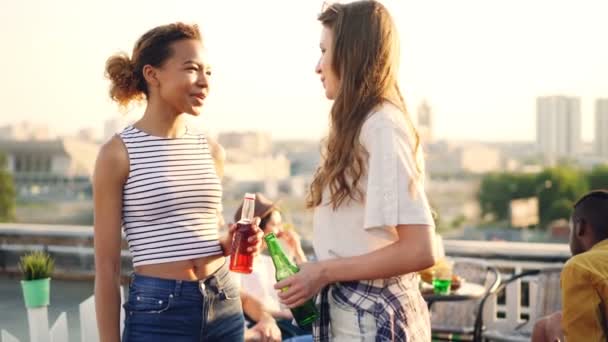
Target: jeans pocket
230	290
146	301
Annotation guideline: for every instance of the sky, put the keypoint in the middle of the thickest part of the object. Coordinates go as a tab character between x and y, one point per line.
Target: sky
480	64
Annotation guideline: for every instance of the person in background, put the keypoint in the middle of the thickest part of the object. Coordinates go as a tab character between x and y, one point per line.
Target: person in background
260	282
584	278
264	328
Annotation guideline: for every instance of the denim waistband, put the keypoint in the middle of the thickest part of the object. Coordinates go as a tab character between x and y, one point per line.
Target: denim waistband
218	280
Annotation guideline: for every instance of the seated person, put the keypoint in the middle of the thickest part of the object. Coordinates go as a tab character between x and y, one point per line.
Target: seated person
584	279
265	328
261	281
548	329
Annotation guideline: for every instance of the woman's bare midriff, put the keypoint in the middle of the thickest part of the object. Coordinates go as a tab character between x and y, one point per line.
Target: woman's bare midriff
195	269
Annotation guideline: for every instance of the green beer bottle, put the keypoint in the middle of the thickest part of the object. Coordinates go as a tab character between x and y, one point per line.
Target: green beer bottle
306	313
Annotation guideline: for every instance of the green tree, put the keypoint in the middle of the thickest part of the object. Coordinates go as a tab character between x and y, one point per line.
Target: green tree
556	186
498	189
492	196
598	177
560	209
7	193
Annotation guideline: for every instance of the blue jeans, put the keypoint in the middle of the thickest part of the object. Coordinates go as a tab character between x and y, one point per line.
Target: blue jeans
184	311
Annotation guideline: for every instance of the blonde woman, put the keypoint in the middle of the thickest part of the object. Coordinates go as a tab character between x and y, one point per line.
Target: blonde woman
373	228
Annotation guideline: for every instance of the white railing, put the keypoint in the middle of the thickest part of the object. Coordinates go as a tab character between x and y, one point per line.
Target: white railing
508	257
38	321
512	313
511	258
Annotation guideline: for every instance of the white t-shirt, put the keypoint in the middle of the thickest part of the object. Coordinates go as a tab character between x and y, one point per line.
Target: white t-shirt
260	283
357	228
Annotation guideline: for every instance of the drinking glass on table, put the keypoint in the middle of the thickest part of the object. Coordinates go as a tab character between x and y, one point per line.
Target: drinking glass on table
442	278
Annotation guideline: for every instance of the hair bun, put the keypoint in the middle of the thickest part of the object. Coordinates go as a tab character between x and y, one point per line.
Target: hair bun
121	72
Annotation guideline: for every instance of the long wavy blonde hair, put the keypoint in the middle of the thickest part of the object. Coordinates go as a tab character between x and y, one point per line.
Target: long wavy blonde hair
366	61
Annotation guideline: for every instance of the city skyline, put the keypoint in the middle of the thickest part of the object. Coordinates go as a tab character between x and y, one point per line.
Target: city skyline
479	65
21	129
601	127
558	126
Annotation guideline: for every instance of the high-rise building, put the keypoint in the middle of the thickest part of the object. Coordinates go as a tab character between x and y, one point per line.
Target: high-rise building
425	122
601	127
558	125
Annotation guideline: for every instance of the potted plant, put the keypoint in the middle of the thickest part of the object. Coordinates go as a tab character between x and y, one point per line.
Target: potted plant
36	268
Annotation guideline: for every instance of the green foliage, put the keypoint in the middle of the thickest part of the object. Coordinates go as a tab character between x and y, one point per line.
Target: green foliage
556	188
559	184
560	209
36	265
458	221
498	189
7	193
598	177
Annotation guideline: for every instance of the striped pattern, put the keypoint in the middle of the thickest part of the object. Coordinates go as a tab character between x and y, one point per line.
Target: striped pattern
171	198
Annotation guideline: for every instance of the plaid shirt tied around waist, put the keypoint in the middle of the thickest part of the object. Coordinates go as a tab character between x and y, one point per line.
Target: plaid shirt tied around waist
396	303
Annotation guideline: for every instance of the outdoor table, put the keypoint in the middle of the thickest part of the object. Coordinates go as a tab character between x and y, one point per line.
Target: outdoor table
466	291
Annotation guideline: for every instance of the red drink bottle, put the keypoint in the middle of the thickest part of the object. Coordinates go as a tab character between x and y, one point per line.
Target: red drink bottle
241	261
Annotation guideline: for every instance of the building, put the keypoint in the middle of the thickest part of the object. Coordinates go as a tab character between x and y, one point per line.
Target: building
86	134
425	122
254	144
443	158
250	158
263	169
25	131
59	168
558	126
113	126
304	155
601	127
251	164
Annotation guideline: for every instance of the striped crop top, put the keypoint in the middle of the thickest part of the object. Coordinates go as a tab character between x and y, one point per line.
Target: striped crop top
171	198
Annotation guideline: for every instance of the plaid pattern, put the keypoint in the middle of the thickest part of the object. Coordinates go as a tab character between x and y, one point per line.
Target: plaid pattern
400	311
